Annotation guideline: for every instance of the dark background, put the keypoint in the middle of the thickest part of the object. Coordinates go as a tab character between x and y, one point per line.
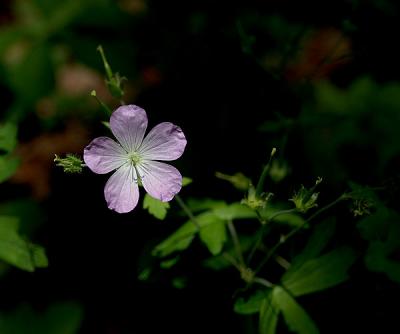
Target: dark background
222	71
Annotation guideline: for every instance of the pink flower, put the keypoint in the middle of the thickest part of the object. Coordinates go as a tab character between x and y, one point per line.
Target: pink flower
134	157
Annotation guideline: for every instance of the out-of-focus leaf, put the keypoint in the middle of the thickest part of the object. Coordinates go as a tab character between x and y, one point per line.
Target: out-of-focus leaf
197	205
8	136
234	211
378	257
39	257
35	64
28	212
376	226
186	181
8	166
155	207
295	316
291	219
179	282
17	251
269	313
61	318
183	237
238	180
321	273
214	235
252	304
166	264
219	262
316	243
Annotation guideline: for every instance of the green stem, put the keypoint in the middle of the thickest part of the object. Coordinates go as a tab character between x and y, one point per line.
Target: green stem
188	212
293	232
107	67
236	243
261	181
263	228
263	281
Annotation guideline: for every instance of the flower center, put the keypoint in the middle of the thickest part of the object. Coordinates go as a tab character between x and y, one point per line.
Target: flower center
134	158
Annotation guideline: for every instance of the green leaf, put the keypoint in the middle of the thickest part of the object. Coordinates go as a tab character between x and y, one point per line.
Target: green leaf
8	136
183	236
291	219
269	313
378	257
166	264
316	243
39	257
17	251
214	235
155	207
219	262
234	211
186	181
197	205
60	318
8	166
36	64
295	316
376	226
252	304
320	273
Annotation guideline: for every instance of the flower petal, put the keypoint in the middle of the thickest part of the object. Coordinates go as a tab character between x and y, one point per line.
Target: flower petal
128	124
165	141
121	190
161	181
103	155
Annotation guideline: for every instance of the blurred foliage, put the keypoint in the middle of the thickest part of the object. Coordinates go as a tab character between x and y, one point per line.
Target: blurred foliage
241	79
57	319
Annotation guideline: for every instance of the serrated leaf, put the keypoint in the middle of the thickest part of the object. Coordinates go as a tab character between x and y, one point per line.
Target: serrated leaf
269	313
234	211
183	236
17	251
321	273
8	166
250	305
8	136
155	207
214	236
295	316
186	181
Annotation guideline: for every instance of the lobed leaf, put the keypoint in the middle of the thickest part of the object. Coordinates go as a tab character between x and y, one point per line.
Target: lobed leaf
155	207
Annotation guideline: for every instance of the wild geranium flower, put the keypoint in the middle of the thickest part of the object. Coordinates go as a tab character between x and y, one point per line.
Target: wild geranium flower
134	158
